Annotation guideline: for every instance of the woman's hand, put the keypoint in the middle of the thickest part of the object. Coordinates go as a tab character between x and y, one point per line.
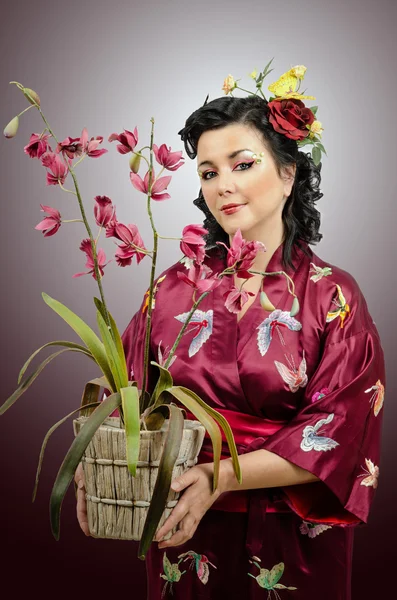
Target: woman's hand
192	505
81	501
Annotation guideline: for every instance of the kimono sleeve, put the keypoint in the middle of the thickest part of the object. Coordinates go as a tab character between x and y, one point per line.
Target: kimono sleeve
336	433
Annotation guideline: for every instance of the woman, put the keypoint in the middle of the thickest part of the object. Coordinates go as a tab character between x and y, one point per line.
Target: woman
303	391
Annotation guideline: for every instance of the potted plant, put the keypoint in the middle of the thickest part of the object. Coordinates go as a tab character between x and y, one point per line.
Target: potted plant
153	441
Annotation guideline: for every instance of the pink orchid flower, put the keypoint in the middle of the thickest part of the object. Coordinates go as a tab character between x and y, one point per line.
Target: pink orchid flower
86	247
236	298
90	147
57	167
72	147
192	244
37	145
168	159
128	140
51	224
200	278
111	226
75	147
158	186
104	211
243	253
130	237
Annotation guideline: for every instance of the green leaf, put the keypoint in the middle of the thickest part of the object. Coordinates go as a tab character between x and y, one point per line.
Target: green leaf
164	382
116	336
224	425
265	70
130	402
184	396
85	332
119	374
169	455
314	109
316	155
319	145
26	383
91	393
304	142
44	444
57	343
73	457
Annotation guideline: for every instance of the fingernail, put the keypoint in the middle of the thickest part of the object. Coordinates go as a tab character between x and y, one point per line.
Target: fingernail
176	485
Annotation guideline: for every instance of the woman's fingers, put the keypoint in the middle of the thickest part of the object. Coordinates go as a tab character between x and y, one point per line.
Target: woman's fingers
81	501
186	531
177	515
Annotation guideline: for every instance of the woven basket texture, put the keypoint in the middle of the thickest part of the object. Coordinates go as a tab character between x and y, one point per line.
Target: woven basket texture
117	503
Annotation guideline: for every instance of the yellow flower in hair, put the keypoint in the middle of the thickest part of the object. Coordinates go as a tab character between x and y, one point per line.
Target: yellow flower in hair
298	71
253	74
315	129
229	84
287	85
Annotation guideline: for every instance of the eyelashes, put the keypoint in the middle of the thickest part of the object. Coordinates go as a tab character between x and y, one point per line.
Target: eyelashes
248	165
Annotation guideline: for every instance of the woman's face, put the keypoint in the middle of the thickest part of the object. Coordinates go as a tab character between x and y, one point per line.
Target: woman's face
238	179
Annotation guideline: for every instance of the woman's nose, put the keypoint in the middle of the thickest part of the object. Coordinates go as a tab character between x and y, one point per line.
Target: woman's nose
226	183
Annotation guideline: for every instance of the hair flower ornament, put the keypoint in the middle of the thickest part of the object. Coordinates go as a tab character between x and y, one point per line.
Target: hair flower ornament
286	111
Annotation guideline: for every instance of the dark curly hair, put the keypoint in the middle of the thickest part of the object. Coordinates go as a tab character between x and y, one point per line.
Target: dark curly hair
300	217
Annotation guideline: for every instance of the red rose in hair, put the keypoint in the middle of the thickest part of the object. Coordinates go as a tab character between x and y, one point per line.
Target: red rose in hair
290	118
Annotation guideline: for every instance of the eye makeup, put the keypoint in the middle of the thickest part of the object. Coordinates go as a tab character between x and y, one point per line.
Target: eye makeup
249	164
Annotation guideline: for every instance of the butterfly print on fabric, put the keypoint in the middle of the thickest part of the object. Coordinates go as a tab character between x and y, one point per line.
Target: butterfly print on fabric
202	322
377	397
313	530
371	474
319	273
313	441
277	319
171	574
200	562
269	579
295	378
342	310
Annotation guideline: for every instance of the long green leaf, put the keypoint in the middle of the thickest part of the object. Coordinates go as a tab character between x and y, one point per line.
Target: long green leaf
26	383
57	343
164	476
116	368
130	403
164	382
224	425
91	393
44	444
116	336
73	457
209	423
85	332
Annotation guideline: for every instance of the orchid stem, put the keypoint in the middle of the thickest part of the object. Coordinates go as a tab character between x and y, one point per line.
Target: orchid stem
87	226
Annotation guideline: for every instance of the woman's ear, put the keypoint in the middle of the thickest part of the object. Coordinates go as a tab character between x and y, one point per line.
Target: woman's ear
289	178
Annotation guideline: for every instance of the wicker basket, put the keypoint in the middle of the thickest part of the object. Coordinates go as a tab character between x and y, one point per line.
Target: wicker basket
117	503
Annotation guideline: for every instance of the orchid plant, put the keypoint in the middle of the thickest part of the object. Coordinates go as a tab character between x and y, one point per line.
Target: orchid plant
138	409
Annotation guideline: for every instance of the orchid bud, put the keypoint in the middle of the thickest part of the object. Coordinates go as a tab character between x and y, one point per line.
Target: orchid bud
11	129
265	302
135	162
34	98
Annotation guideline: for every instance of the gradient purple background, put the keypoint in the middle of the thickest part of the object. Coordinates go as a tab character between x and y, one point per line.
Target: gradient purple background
113	65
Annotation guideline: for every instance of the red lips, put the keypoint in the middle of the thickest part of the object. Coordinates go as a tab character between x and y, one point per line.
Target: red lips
230	206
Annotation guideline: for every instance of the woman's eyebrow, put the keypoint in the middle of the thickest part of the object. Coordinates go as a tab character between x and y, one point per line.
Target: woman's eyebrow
232	155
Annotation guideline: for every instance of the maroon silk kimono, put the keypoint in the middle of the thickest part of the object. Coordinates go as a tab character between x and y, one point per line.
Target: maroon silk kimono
309	388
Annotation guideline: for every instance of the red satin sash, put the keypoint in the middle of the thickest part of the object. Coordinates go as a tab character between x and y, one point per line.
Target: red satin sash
246	428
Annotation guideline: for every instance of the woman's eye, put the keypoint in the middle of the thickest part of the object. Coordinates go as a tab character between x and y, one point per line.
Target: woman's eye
245	164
